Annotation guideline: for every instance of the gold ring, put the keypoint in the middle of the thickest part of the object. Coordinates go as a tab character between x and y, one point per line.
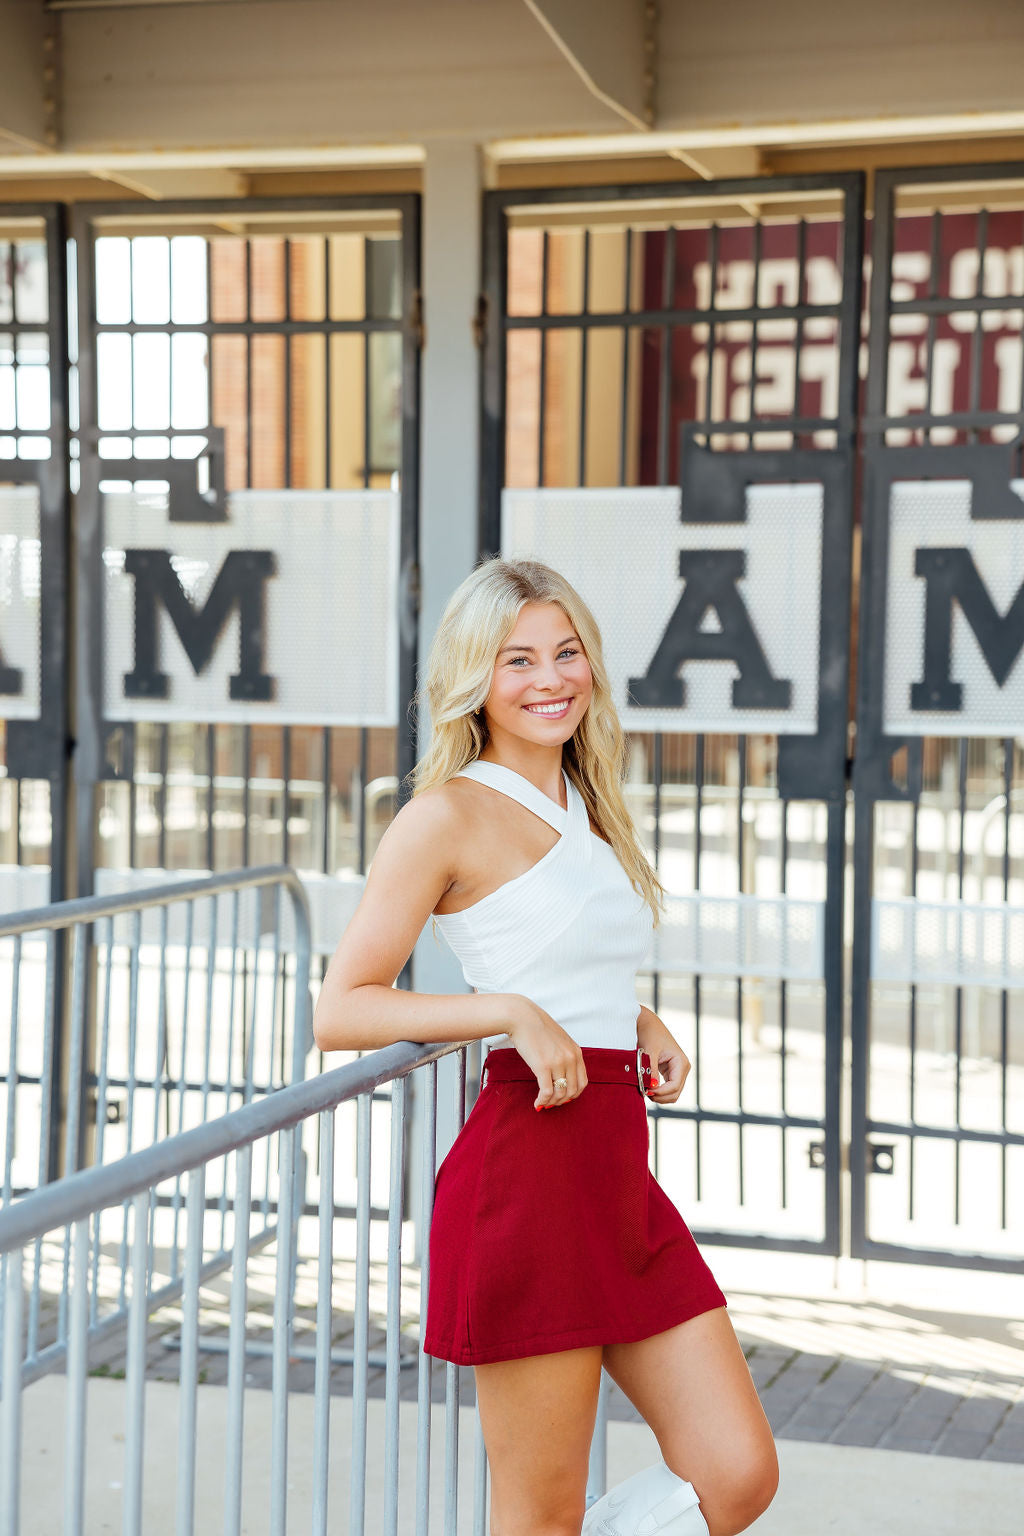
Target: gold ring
561	1082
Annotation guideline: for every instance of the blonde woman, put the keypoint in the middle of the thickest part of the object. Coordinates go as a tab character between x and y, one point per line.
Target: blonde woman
553	1251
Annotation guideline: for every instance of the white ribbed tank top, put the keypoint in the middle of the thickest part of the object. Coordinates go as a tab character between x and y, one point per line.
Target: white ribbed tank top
569	933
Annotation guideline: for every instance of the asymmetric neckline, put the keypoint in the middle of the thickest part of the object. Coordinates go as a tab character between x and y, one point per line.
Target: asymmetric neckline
518	787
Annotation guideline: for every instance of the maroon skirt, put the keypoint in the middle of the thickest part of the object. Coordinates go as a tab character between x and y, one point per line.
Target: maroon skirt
549	1231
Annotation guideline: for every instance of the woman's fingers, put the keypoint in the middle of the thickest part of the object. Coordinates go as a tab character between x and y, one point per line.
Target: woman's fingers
560	1084
672	1072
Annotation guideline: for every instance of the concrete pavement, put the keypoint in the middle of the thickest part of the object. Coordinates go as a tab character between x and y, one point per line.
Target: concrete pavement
838	1490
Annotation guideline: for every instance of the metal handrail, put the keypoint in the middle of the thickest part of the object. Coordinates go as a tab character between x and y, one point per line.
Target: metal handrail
82	1194
78	909
99	1012
74	1201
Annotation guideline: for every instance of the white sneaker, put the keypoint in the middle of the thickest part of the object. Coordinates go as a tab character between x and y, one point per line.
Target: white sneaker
654	1502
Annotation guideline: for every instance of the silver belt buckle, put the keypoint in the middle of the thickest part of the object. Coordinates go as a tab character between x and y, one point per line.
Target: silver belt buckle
640	1054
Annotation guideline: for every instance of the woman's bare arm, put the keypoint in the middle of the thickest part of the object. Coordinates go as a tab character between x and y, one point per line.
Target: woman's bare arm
359	1008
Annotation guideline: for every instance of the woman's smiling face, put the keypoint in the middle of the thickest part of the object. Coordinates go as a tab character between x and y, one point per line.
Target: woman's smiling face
542	683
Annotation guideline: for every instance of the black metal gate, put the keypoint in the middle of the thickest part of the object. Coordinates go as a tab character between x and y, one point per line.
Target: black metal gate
938	956
34	463
229	348
704	337
677	363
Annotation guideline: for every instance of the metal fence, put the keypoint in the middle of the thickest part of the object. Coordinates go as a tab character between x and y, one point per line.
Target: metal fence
182	1003
640	339
937	978
437	1473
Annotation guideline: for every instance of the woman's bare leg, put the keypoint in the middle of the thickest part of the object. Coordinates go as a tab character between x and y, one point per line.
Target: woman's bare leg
693	1387
537	1417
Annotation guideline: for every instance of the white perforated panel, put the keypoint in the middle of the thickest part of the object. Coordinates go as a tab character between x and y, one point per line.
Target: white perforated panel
331	616
332	901
767	936
23	887
620	549
937	513
19	597
949	942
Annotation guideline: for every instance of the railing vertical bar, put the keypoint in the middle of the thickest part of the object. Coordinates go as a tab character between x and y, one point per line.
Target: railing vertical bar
101	1110
162	1075
230	1055
77	1379
428	1160
452	1398
324	1297
479	1480
361	1319
453	1373
176	1201
135	1371
232	990
12	1070
77	1057
53	948
211	974
133	1025
277	991
188	1378
10	1403
133	1035
282	1337
399	1097
236	1345
597	1469
74	1099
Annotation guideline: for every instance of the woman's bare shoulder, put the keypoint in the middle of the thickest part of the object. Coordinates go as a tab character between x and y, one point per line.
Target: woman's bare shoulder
436	817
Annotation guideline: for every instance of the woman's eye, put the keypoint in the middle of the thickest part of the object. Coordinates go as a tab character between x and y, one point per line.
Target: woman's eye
568	650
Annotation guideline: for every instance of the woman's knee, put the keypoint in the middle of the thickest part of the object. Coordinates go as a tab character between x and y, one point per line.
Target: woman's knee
742	1492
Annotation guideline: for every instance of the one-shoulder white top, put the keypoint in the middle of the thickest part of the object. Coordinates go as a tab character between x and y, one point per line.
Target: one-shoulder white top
570	933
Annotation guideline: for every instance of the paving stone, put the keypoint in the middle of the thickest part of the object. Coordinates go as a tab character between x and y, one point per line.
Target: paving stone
1008	1442
969	1446
791	1388
976	1418
921	1424
766	1363
1004	1452
878	1407
830	1402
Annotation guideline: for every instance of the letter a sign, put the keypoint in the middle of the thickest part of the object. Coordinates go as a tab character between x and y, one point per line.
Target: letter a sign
707	626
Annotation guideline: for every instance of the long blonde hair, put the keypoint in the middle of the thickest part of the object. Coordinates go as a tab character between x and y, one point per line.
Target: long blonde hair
480	615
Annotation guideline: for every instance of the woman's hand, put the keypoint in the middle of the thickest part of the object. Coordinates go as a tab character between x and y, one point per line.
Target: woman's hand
548	1051
670	1063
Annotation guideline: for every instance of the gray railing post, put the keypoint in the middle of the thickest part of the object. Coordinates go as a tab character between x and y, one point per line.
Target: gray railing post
597	1471
10	1404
